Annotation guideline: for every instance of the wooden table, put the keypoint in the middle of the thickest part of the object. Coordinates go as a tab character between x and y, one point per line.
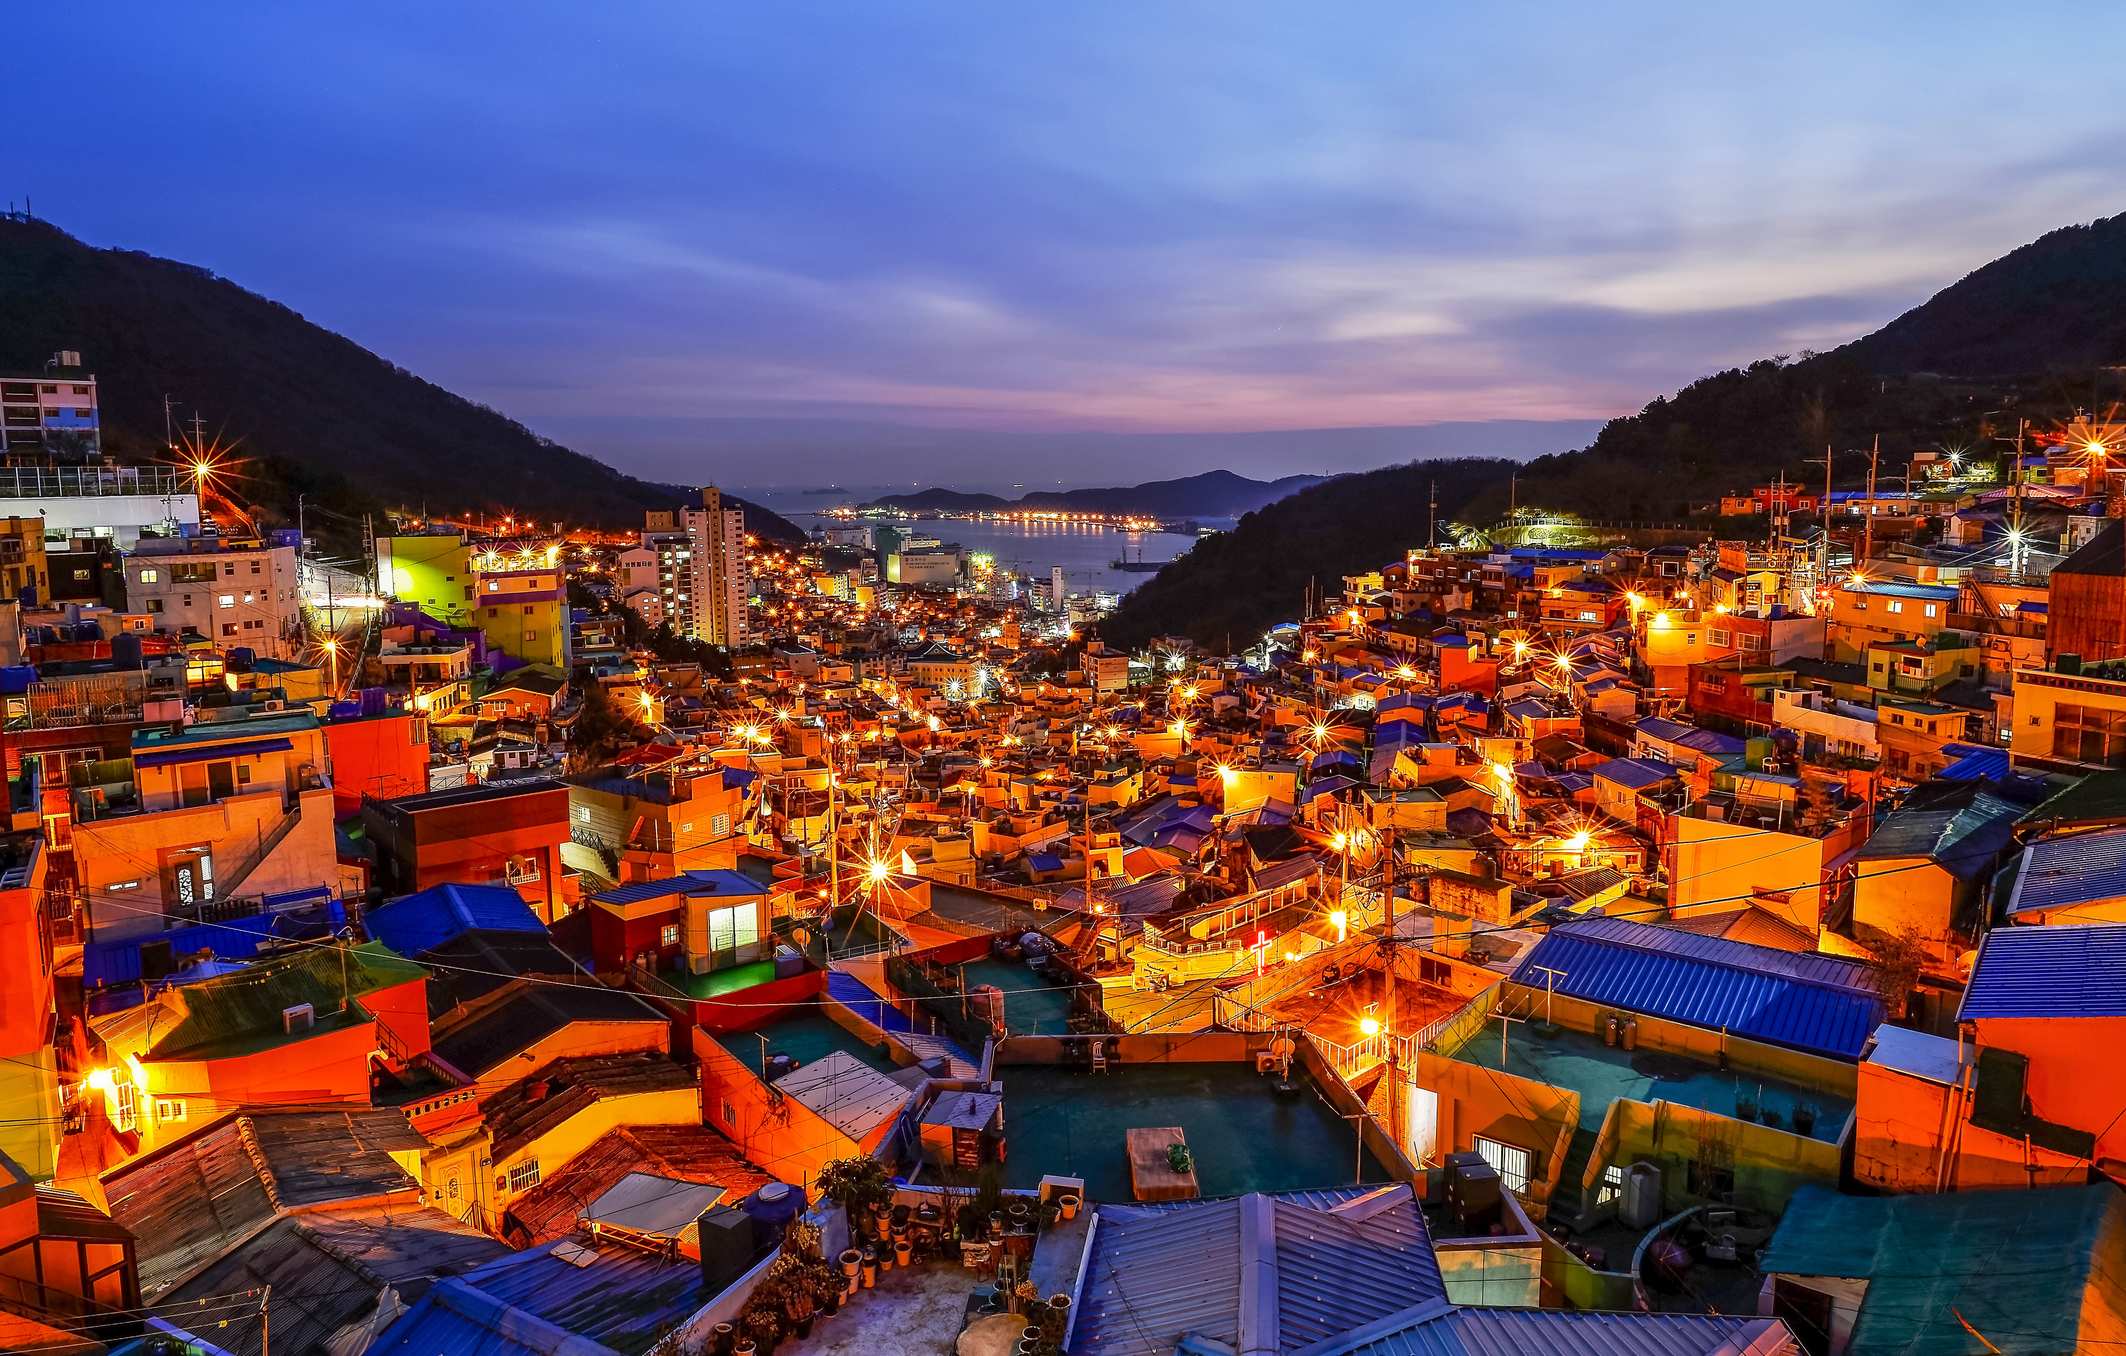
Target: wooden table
1149	1175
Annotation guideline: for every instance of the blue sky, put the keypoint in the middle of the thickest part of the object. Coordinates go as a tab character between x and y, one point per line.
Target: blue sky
1125	217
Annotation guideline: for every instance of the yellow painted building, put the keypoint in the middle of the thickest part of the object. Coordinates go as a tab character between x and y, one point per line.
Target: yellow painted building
1866	613
433	573
2068	721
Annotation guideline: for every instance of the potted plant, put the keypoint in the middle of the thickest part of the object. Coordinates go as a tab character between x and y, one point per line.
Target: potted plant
763	1330
827	1289
858	1185
723	1340
797	1306
1069	1202
1054	1317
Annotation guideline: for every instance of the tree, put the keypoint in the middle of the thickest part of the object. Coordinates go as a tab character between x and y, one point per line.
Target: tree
595	737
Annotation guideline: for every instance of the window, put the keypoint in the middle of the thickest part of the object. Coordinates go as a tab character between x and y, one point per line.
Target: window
1513	1164
494	612
583	814
524	1176
494	586
228	628
170	1109
720	825
2089	734
730	1114
669	936
254	567
1751	641
227	600
80	576
1859	606
228	569
151	576
1723	639
732	928
128	1111
531	635
1896	605
154	605
451	1188
1931	609
1590	616
527	609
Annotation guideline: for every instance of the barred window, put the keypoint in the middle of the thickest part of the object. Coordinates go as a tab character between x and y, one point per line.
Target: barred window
2089	734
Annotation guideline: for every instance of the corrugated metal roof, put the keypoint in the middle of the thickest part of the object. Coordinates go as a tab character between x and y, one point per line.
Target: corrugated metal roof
456	1319
1961	825
624	1299
1516	1332
1340	1260
845	1092
2065	970
1156	1275
2022	1259
1820	1004
2060	873
444	913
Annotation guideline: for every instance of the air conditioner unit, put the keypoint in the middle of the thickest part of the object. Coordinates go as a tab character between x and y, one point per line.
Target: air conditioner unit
301	1017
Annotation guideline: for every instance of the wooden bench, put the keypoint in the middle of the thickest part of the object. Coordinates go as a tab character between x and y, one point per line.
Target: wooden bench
1151	1177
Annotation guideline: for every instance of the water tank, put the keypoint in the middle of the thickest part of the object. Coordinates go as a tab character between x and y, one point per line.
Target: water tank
375	701
726	1247
771	1209
1641	1206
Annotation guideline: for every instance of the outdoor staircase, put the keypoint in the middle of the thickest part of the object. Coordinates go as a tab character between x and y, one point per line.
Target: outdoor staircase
858	997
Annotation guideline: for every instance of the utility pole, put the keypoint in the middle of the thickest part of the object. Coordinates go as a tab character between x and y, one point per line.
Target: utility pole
1867	552
1823	519
1432	521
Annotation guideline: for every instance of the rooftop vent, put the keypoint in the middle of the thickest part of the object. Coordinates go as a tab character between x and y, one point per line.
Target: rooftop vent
301	1017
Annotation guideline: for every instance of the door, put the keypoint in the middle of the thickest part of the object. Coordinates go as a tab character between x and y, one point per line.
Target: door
1424	1126
221	781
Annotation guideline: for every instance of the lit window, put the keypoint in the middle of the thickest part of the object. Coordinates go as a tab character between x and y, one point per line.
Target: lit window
228	600
150	576
669	936
1930	609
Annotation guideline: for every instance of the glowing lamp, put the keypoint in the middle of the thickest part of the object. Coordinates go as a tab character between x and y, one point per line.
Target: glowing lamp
1368	1026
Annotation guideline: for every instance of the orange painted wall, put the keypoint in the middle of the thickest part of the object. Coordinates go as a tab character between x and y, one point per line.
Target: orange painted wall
786	1140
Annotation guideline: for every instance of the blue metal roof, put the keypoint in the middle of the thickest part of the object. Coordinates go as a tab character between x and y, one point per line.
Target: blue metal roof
1818	1004
2061	873
2066	970
444	913
1636	774
687	883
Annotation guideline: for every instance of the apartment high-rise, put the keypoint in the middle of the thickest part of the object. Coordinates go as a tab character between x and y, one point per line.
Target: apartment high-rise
720	580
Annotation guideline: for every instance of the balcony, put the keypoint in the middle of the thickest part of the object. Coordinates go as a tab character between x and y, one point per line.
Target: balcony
73	482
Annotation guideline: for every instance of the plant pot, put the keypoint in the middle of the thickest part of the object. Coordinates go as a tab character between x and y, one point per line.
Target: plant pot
832	1304
870	1267
1050	1213
996	1225
900	1216
1069	1202
744	1347
852	1261
949	1249
1019	1216
804	1326
723	1340
900	1254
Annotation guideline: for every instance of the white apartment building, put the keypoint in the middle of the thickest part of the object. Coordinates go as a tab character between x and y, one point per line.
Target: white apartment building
241	594
51	411
720	580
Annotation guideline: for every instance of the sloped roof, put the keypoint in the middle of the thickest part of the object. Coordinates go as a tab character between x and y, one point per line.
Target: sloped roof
192	1200
2060	873
1635	774
701	882
441	913
1818	1004
1321	1264
523	1019
687	1153
2097	798
2016	1263
2065	970
539	1104
328	1267
845	1092
2102	555
1961	825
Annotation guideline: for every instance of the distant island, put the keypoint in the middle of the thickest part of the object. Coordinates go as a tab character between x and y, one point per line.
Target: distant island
1214	494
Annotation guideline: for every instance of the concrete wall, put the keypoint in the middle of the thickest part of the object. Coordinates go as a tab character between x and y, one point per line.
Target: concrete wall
1769	1165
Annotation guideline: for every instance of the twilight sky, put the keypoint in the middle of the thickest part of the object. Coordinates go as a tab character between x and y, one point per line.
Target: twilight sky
615	220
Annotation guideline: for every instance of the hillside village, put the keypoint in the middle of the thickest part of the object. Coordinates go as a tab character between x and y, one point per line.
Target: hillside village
1701	946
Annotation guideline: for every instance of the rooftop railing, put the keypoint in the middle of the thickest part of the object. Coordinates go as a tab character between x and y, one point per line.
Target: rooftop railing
71	482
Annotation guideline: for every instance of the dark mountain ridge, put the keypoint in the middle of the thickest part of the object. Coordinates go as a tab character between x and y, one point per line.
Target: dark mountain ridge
309	412
2037	334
